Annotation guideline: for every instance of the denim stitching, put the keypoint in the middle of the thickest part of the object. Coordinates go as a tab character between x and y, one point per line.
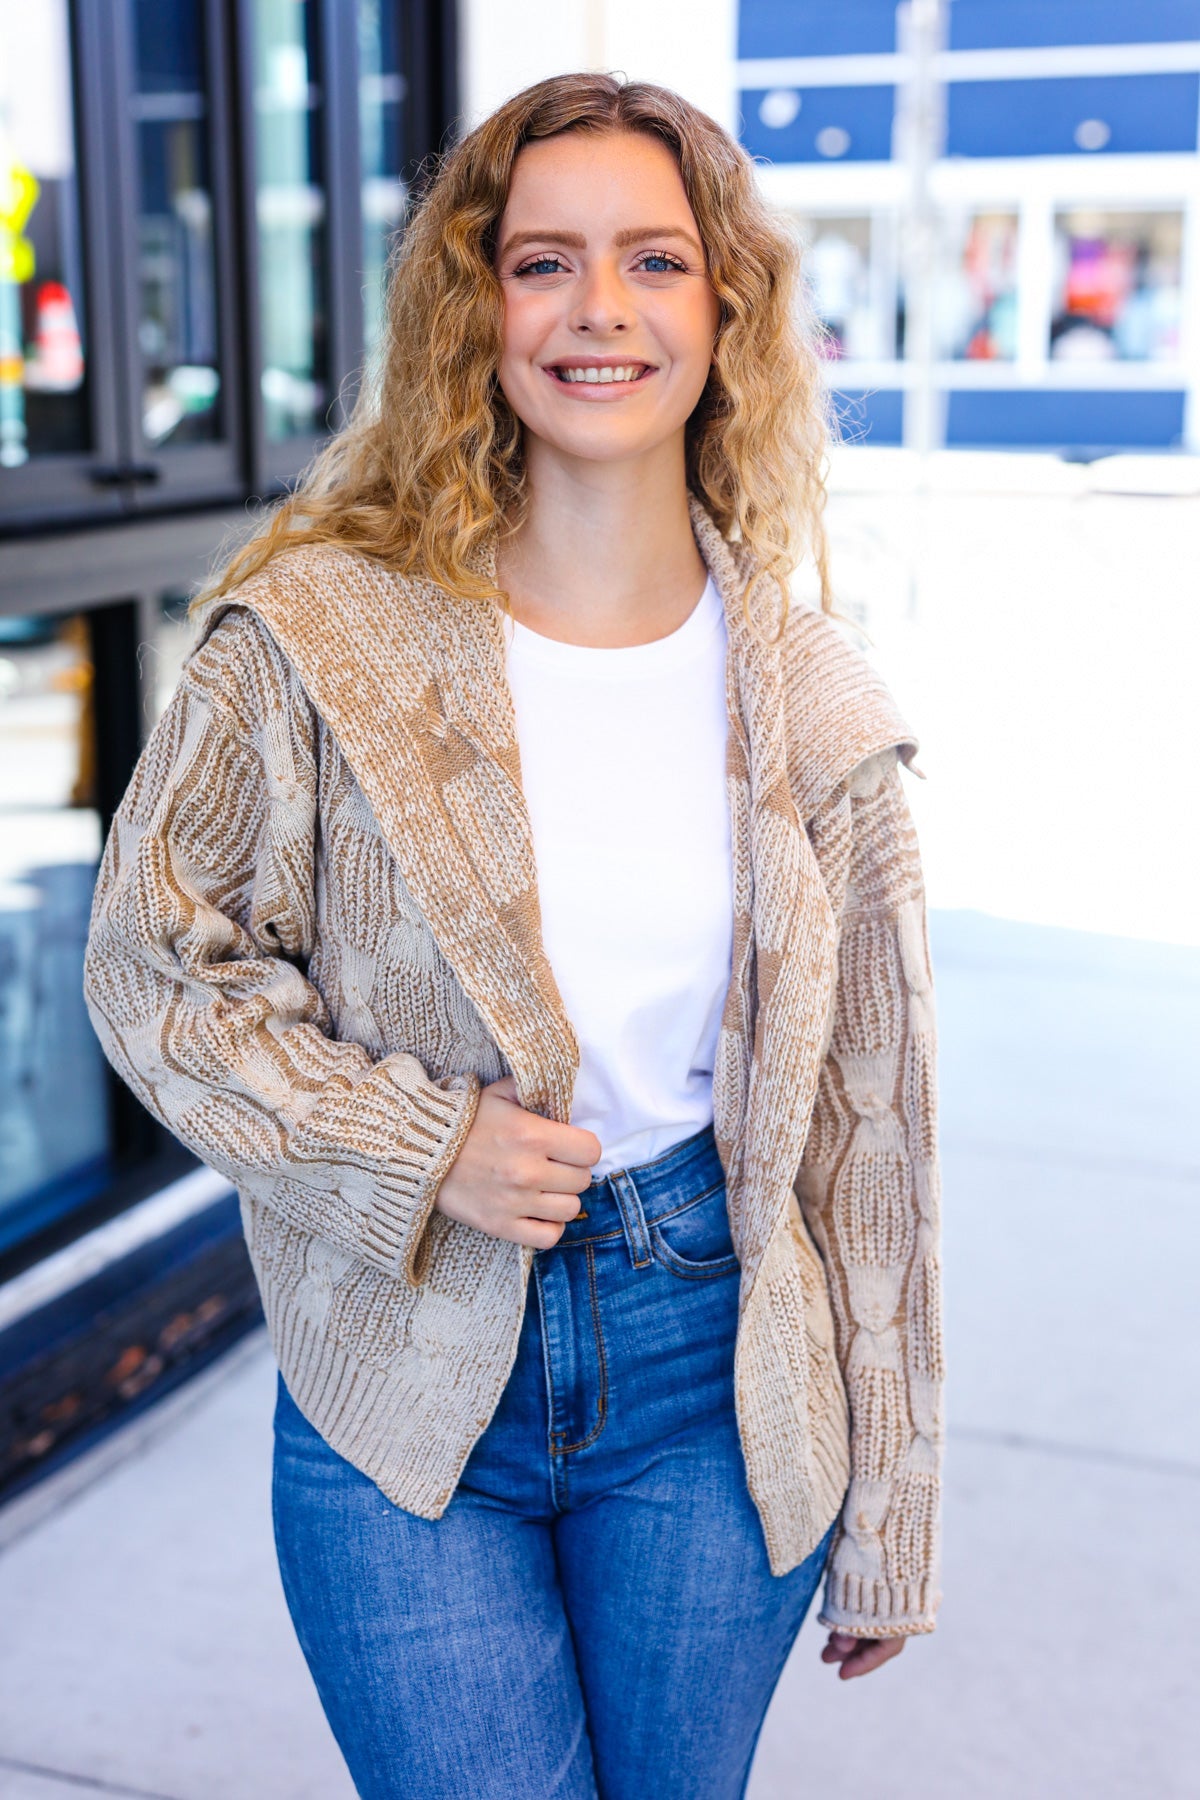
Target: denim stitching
607	1237
671	1259
548	1365
633	1219
695	1146
602	1396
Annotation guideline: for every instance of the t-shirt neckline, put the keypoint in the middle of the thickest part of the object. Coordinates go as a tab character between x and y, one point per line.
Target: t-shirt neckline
682	645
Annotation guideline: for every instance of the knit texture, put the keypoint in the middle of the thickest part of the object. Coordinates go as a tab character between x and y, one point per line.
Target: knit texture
316	932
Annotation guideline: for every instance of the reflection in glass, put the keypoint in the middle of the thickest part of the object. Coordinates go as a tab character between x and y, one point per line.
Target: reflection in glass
1117	286
43	390
177	324
381	100
850	283
54	1146
291	218
975	300
166	653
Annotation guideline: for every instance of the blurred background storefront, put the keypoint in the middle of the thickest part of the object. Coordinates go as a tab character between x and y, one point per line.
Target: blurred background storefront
1001	213
196	203
1062	137
1000	206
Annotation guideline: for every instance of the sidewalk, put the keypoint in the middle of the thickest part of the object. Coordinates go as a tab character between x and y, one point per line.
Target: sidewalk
146	1650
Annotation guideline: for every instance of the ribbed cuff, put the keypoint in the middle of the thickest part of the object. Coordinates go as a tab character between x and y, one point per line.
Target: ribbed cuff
413	1135
877	1609
416	1251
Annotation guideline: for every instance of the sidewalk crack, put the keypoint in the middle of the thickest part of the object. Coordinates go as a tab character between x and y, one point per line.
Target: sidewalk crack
91	1783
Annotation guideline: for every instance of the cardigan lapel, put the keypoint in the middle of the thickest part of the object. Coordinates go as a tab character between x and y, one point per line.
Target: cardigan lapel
411	681
782	983
773	868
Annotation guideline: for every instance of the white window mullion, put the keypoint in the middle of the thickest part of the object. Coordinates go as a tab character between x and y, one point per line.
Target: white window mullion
1035	284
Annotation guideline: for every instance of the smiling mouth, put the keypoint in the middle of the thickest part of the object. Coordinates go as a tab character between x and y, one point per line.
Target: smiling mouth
599	375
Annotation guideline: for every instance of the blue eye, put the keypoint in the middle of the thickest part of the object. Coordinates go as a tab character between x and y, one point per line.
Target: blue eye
665	264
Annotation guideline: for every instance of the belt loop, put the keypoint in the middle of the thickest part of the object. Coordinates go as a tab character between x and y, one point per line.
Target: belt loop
633	1219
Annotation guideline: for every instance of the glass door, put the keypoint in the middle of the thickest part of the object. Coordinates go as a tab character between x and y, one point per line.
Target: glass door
382	94
58	424
290	215
118	379
177	275
54	1158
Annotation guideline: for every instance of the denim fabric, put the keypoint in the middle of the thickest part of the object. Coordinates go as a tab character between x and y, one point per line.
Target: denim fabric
593	1615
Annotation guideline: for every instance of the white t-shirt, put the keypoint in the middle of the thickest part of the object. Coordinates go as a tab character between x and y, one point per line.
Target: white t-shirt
623	768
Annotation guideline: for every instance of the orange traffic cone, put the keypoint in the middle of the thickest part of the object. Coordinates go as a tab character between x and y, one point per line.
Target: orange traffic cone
56	364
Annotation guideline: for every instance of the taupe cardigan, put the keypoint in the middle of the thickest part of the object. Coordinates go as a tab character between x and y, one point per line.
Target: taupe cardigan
316	933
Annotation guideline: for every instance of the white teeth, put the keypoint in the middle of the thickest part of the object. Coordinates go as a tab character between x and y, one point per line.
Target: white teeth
625	372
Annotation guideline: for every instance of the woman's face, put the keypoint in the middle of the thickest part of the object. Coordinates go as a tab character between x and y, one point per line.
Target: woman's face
609	317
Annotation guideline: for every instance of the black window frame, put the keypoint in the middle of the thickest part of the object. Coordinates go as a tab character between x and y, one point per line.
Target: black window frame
110	550
119	476
194	471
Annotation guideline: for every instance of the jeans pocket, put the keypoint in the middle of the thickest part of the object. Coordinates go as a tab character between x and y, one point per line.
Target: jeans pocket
696	1241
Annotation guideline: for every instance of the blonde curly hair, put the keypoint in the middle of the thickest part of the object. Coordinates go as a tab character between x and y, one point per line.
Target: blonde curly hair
430	460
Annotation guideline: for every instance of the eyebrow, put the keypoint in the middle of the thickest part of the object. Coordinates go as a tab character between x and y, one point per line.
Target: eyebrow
574	240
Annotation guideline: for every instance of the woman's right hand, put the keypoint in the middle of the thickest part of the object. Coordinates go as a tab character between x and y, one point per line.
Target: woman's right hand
517	1175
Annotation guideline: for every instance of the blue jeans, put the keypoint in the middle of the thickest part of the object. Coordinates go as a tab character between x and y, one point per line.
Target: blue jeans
593	1615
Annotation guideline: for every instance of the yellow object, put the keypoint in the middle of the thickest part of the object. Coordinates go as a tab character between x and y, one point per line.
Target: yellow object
19	189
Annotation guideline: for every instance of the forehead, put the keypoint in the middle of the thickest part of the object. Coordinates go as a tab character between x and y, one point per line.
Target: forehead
595	181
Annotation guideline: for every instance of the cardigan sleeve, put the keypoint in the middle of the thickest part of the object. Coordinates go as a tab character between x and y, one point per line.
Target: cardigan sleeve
202	924
869	1189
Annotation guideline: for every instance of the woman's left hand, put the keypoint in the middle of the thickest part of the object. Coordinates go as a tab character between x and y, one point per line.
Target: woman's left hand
858	1656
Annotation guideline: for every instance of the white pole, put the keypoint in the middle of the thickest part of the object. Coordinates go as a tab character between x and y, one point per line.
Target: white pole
919	140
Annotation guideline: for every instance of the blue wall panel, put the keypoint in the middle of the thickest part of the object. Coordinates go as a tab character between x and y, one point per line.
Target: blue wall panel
1039	118
869	415
1116	420
864	112
815	28
1007	24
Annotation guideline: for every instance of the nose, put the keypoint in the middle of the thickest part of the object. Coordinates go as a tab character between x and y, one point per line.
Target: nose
602	304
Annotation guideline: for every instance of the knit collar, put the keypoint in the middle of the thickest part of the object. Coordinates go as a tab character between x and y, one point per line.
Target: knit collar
411	681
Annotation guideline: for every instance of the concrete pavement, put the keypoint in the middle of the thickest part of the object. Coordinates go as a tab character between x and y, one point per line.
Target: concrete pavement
1042	635
146	1649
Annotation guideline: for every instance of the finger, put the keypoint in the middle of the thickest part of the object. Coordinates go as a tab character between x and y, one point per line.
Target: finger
869	1655
538	1234
561	1178
506	1087
571	1144
559	1207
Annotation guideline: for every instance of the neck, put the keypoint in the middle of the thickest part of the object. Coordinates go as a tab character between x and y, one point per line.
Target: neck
605	555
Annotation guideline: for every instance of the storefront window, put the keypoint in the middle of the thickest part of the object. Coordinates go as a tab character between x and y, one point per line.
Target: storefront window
381	102
1117	286
164	656
178	319
847	263
43	351
291	218
54	1135
976	296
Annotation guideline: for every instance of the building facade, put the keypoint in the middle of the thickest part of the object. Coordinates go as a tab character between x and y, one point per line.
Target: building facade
197	199
1065	191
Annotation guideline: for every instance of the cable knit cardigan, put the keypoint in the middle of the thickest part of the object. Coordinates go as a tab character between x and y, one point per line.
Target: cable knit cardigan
315	933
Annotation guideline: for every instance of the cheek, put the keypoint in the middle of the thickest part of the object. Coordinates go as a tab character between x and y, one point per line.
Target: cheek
526	322
688	331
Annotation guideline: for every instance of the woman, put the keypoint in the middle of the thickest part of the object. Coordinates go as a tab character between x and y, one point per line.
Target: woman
593	1200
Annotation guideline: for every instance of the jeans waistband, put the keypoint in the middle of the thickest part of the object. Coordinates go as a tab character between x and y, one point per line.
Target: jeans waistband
626	1202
